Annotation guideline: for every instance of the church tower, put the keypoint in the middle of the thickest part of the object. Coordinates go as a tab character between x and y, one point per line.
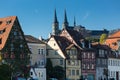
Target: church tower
55	26
65	23
74	22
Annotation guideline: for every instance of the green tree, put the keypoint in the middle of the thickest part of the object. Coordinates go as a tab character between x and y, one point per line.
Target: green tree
102	38
49	68
92	39
58	72
5	72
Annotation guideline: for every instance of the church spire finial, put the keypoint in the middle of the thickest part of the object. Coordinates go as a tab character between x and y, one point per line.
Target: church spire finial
55	17
74	21
65	23
65	17
55	26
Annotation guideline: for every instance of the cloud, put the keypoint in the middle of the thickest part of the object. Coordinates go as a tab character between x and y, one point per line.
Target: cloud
87	14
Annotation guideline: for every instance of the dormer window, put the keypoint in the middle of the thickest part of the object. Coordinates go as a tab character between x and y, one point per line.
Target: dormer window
0	40
2	31
114	44
8	22
0	22
15	33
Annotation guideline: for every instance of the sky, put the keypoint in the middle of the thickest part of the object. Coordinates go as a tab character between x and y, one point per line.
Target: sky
36	16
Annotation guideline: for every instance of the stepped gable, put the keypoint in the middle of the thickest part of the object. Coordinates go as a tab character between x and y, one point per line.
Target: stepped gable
6	25
31	39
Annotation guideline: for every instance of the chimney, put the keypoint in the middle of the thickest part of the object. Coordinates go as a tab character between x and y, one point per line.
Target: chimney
89	44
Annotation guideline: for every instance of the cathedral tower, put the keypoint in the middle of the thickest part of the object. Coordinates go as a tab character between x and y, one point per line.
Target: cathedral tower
55	26
65	23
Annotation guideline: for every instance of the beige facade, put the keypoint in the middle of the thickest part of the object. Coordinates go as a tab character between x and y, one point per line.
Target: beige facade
73	64
68	59
54	53
38	56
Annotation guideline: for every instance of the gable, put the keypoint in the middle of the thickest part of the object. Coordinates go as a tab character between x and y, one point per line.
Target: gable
115	35
53	45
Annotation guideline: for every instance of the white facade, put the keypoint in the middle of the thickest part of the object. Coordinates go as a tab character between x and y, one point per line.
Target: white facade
38	60
38	73
100	73
114	68
38	56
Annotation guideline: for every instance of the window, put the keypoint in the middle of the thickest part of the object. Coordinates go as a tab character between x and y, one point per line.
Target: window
108	62
42	62
38	51
15	33
93	55
31	73
0	22
98	61
77	72
68	62
88	66
88	55
83	66
56	53
12	47
93	66
0	40
84	55
41	51
8	21
73	72
21	45
61	62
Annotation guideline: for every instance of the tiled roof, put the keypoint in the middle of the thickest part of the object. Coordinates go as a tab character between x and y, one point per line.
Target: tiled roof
76	36
113	39
100	46
6	25
31	39
115	35
63	43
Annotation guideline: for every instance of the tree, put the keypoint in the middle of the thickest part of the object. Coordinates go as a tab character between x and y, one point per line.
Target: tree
49	68
58	72
92	39
5	72
102	38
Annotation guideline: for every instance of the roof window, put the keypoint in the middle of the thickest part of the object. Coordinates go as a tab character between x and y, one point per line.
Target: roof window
2	31
8	21
0	40
0	22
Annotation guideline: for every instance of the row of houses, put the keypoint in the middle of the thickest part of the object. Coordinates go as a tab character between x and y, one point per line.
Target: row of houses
79	57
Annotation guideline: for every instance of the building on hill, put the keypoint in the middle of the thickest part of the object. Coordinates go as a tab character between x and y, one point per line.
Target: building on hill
81	29
37	57
13	47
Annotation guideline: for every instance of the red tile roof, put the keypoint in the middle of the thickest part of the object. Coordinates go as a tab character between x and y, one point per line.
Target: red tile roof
112	40
6	25
31	39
